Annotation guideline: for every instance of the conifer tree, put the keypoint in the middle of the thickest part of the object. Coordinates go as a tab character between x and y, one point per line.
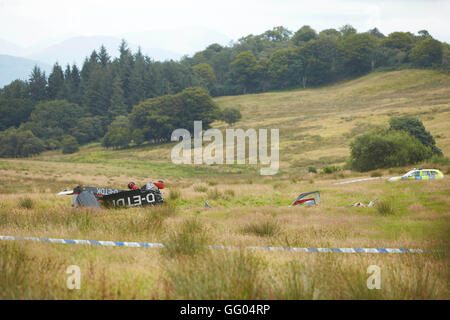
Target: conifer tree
118	106
38	85
55	87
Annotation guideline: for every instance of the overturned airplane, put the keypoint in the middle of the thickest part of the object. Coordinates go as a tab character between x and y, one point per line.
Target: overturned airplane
94	197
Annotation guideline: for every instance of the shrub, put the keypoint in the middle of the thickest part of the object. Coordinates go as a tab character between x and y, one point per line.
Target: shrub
329	169
312	169
384	149
117	138
376	174
231	115
19	143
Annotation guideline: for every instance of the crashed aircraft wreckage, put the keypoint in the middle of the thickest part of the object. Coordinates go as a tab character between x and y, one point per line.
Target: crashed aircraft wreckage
94	197
308	198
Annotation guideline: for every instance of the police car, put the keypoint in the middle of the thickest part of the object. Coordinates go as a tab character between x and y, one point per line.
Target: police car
420	174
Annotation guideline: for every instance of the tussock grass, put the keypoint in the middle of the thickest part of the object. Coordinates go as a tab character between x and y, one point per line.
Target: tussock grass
230	193
262	228
216	275
385	207
189	239
26	203
20	270
200	188
214	194
174	194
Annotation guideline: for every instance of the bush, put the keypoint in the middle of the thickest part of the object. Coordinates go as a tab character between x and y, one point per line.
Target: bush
117	137
19	143
384	149
376	174
69	145
329	169
231	115
312	169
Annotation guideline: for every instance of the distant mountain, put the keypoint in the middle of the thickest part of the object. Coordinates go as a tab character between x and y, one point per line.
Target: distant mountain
12	68
75	50
185	40
10	48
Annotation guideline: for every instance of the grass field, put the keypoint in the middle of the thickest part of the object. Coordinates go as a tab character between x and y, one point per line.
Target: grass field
316	126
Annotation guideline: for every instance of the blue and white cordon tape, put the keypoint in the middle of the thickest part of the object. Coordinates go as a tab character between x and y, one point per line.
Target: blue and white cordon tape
161	245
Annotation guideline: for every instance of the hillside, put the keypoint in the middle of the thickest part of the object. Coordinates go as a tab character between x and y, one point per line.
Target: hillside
316	125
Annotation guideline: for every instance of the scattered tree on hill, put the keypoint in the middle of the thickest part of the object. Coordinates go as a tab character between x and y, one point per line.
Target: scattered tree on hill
158	117
231	115
415	128
386	148
19	143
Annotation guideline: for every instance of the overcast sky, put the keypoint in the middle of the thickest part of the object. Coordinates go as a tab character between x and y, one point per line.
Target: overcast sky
27	22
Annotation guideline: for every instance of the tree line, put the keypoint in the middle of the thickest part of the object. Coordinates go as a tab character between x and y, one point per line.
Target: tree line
92	102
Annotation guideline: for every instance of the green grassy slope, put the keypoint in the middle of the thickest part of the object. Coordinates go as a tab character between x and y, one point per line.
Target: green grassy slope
316	125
